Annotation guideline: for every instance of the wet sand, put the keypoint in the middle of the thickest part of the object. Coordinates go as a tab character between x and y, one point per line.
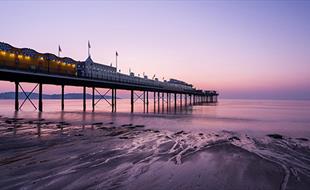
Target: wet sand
42	154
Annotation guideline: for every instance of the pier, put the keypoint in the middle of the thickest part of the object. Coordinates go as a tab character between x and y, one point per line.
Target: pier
25	66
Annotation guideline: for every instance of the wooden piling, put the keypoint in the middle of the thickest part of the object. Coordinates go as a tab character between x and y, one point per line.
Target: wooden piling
84	98
131	102
16	96
62	97
40	98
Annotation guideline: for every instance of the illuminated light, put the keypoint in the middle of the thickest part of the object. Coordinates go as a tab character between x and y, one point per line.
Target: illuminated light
73	65
63	63
27	57
41	58
20	56
58	62
3	52
12	55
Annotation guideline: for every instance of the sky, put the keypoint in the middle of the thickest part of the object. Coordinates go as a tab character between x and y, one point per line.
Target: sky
243	49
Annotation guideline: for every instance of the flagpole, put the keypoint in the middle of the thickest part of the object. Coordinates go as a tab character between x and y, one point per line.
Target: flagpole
116	60
88	48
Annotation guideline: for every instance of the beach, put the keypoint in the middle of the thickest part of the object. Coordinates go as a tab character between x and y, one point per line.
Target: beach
43	153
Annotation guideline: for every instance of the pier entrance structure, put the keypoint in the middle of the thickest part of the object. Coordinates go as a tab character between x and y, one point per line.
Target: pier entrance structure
26	65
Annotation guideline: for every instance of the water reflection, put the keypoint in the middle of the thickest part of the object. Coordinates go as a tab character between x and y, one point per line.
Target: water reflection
284	117
15	124
39	124
83	121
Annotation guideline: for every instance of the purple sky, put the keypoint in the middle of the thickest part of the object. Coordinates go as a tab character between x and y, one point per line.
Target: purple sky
242	49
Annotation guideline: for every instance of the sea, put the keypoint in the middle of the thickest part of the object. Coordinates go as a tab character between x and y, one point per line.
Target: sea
256	117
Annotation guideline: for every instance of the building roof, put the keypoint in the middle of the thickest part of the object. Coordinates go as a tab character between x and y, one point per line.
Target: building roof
89	60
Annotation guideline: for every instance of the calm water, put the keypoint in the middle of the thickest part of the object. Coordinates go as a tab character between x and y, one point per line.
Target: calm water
255	117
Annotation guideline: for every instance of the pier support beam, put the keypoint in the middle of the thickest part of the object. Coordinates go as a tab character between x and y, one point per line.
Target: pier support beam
147	101
16	96
144	102
185	99
113	97
167	101
158	101
93	99
62	97
40	98
181	100
163	101
84	98
175	102
170	101
131	101
154	102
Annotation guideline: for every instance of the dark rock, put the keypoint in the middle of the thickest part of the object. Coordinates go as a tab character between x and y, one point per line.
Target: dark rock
179	132
275	136
97	123
302	139
8	121
234	138
136	126
139	126
63	123
127	125
60	126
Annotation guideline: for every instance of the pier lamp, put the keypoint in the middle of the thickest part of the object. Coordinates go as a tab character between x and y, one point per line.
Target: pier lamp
3	53
12	55
20	56
27	57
